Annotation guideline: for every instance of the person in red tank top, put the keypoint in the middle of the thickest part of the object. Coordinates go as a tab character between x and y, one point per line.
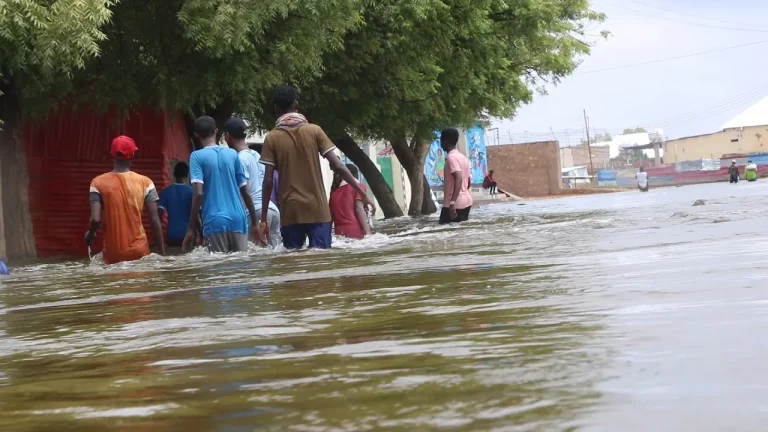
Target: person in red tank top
347	209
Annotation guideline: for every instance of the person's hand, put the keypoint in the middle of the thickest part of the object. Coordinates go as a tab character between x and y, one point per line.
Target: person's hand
189	240
262	233
89	238
453	212
368	203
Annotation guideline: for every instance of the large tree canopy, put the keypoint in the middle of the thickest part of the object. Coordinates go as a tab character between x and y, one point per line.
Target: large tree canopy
415	66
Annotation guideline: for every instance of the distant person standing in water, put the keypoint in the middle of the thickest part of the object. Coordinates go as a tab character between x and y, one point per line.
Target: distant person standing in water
750	171
120	196
733	172
176	201
220	188
294	148
3	268
235	134
642	180
350	218
457	199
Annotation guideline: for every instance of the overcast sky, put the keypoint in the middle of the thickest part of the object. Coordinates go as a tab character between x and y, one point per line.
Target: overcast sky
684	97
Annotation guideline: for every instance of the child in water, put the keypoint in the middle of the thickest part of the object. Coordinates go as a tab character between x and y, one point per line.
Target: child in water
350	218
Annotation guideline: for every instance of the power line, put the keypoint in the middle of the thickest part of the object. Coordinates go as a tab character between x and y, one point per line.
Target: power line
671	58
739	100
698	16
677	20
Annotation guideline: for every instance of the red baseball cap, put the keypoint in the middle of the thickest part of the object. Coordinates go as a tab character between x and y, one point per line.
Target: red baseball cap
123	147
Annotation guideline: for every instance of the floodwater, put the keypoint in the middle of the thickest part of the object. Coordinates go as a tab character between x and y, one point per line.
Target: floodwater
616	312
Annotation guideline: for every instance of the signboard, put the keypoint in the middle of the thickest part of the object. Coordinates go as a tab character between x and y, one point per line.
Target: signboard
477	154
435	163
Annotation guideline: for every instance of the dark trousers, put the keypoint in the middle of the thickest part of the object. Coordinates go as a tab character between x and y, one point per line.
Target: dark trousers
319	235
462	215
734	179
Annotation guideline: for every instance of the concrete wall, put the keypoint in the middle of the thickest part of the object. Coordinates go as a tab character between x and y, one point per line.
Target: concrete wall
718	144
566	157
528	170
579	156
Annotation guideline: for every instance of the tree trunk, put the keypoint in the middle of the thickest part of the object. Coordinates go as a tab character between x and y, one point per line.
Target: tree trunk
375	179
16	224
412	157
428	206
418	189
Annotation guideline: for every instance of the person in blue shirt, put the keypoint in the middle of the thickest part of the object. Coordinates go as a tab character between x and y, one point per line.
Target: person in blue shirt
176	200
3	269
235	134
220	188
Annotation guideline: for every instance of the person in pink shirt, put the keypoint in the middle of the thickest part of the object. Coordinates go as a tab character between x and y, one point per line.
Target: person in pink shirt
457	199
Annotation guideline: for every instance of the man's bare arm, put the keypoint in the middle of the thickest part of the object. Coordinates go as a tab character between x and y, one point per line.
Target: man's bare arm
248	200
95	222
362	217
157	226
341	169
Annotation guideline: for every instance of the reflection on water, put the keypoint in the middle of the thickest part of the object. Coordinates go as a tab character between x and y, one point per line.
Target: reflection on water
618	312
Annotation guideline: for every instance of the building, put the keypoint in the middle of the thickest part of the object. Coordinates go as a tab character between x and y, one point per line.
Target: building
580	156
747	133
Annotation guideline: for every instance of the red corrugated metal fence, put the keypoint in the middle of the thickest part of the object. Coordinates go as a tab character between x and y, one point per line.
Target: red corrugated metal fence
69	149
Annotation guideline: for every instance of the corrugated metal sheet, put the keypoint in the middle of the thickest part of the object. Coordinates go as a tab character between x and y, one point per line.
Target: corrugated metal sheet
69	149
759	158
710	164
687	166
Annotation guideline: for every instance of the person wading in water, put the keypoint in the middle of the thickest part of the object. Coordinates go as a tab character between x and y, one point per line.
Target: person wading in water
293	148
120	196
350	218
457	198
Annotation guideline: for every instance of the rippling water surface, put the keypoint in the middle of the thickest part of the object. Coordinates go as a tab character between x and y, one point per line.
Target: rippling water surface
601	313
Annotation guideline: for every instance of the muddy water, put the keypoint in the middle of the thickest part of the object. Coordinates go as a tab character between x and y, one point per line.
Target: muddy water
619	312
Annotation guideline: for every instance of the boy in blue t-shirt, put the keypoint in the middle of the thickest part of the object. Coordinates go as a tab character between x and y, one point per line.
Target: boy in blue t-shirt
220	188
176	200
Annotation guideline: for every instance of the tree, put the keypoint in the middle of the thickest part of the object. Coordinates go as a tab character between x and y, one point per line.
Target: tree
601	137
638	129
416	66
41	44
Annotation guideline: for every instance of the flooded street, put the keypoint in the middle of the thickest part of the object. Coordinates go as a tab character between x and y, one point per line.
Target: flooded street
614	312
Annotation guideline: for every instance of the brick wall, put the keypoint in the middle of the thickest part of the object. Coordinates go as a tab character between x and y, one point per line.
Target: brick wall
527	170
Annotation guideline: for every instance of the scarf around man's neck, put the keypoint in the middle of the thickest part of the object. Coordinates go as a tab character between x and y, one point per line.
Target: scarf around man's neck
290	120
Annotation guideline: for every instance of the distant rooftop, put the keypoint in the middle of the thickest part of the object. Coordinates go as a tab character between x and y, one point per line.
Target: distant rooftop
756	115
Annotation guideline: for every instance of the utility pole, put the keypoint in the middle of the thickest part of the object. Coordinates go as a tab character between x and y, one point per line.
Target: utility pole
589	147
